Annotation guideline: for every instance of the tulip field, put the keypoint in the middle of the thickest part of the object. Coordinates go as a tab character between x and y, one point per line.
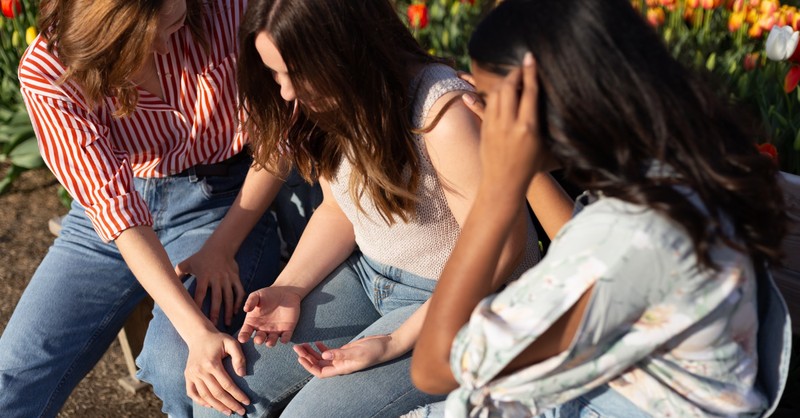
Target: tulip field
722	38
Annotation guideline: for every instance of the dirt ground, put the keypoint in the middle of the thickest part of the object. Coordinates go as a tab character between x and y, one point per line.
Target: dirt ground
24	239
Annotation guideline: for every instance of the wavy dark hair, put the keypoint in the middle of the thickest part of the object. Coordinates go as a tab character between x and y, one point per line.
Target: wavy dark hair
355	55
613	101
104	43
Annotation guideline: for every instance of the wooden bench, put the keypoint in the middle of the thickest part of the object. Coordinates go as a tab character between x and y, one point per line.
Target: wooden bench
131	336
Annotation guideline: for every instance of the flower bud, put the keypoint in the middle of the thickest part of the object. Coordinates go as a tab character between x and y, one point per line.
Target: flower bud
781	43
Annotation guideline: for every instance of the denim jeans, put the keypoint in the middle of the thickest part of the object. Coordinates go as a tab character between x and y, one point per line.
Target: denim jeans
602	402
82	293
360	298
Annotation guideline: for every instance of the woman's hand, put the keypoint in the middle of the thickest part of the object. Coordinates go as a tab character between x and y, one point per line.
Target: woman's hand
216	270
351	357
207	382
272	314
511	147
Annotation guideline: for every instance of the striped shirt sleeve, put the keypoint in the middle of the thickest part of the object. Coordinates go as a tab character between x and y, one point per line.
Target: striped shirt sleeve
75	147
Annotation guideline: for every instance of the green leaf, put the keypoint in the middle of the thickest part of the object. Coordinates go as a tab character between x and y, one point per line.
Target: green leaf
797	141
26	155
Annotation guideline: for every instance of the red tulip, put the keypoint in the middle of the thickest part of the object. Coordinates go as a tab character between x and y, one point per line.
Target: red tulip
418	15
769	150
792	78
11	8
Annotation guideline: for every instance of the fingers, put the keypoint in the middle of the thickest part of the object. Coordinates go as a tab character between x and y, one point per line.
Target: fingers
466	77
212	394
474	104
200	291
237	358
245	333
509	91
227	297
240	293
216	302
530	89
272	339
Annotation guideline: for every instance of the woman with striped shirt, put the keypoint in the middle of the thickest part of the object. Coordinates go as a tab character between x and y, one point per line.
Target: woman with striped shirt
134	106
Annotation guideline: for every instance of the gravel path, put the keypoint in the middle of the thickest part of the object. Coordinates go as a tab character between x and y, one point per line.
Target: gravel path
24	239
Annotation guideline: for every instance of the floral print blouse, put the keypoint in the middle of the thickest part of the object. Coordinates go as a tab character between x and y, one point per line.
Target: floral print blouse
674	340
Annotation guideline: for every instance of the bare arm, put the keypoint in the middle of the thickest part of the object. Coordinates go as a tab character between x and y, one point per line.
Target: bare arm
454	148
550	203
512	155
326	242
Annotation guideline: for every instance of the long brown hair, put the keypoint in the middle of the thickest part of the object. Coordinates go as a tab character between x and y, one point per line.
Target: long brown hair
355	56
103	43
614	101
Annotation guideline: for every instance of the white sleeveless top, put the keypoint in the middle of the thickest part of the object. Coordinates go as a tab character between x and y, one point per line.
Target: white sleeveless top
422	245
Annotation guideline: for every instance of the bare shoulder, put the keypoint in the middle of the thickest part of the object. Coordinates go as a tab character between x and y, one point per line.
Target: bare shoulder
449	117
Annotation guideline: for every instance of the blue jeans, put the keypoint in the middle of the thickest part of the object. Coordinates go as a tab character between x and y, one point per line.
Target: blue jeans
360	298
602	402
82	293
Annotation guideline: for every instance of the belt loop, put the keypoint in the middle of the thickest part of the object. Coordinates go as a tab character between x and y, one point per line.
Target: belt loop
192	174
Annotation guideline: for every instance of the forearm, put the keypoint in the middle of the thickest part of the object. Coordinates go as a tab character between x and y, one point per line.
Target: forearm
148	261
465	281
550	203
258	191
406	335
327	241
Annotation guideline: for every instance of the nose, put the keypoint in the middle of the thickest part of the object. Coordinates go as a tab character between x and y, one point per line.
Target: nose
287	90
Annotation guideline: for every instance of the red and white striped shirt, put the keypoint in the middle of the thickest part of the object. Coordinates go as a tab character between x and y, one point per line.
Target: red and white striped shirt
96	156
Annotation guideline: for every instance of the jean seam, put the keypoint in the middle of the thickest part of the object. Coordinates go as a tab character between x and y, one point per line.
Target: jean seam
101	327
288	392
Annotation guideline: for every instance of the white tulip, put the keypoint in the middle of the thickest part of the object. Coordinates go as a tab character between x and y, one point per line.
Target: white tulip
781	43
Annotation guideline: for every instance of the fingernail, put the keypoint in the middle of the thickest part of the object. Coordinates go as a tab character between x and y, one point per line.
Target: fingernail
528	59
240	371
468	98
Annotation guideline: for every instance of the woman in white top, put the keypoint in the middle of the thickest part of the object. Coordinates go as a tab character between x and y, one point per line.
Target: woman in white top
342	90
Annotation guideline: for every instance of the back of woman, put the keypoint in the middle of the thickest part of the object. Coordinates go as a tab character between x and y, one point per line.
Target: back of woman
653	300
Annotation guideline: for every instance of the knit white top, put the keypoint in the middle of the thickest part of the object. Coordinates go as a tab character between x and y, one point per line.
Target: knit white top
422	245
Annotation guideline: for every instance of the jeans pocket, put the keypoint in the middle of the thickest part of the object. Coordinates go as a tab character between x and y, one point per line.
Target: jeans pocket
579	407
225	186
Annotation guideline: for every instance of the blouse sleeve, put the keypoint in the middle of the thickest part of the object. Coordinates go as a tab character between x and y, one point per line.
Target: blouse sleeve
75	147
635	307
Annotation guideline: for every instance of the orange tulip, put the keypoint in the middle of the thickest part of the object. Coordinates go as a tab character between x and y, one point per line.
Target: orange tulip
735	21
656	16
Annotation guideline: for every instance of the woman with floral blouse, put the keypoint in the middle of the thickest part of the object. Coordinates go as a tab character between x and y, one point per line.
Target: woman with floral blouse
653	300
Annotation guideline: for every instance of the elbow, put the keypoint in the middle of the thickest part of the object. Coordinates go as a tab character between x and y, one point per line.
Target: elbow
432	379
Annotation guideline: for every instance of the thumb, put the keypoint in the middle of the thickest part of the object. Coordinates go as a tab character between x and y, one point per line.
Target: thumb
475	105
237	357
253	300
335	354
182	269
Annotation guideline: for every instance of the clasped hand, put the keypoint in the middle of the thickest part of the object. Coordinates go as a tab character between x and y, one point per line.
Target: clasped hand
218	272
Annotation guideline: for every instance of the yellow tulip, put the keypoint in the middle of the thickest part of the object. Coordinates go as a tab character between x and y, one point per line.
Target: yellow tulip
15	39
30	35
